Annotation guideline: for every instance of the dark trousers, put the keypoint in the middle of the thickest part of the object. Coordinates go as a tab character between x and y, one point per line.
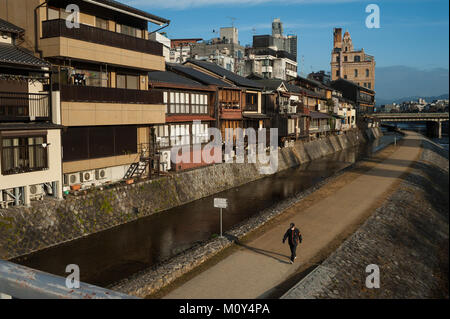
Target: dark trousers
293	251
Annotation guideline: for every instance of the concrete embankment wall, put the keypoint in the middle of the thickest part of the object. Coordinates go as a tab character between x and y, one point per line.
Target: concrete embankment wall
27	229
407	238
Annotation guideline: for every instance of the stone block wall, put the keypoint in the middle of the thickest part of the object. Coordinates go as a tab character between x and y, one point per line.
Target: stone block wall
27	229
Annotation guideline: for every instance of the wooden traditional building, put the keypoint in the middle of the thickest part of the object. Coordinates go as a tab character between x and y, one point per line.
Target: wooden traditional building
362	97
190	111
30	134
228	103
250	102
284	104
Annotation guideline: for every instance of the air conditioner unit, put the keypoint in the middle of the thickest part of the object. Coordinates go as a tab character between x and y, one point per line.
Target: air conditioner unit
102	174
87	176
165	161
37	192
71	179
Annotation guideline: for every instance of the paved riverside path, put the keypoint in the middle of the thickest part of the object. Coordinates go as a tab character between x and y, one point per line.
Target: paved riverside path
263	263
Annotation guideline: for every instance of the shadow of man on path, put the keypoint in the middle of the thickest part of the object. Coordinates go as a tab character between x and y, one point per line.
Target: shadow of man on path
258	250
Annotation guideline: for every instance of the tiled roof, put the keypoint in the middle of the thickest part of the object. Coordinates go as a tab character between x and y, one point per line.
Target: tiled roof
236	79
273	84
170	77
125	7
319	115
197	75
15	55
6	26
188	118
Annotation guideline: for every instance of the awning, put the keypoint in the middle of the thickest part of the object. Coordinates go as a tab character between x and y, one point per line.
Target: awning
319	115
188	118
258	116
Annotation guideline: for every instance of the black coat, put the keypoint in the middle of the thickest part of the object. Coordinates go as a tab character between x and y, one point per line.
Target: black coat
293	236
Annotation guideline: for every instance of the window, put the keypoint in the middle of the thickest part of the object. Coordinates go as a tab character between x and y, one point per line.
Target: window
23	154
133	82
369	85
127	81
356	73
337	72
251	101
91	78
186	103
80	143
179	134
200	133
162	135
357	58
367	73
345	58
131	31
345	76
101	23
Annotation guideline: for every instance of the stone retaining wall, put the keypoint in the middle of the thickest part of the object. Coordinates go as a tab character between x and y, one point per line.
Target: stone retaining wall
27	229
407	238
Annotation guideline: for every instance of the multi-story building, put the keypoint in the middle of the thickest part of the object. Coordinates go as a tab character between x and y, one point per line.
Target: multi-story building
284	104
350	64
229	97
190	111
165	41
251	93
344	111
30	134
272	56
363	98
102	67
270	64
277	41
180	50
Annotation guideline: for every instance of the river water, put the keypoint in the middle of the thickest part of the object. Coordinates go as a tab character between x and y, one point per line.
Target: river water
117	253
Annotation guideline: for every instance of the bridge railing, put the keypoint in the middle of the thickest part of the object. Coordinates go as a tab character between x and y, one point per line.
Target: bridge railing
21	282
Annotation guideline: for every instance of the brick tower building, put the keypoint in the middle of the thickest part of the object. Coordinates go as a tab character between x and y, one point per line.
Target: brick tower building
350	64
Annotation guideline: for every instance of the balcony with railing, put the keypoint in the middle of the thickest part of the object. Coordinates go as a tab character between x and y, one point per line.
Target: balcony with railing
58	28
81	93
24	107
319	128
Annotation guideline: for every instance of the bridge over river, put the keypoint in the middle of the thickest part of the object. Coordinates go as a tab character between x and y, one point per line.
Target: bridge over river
433	120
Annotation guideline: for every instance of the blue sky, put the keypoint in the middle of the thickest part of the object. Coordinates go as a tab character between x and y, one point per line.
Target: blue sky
413	33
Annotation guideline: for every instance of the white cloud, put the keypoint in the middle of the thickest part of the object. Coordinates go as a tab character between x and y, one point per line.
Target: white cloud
185	4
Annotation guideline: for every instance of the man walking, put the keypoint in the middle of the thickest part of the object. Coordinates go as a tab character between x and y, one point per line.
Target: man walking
294	237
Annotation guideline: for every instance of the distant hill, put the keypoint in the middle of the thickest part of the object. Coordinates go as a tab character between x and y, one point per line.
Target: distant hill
400	83
381	101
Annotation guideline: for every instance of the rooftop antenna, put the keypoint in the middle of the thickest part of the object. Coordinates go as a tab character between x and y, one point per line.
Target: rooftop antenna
232	20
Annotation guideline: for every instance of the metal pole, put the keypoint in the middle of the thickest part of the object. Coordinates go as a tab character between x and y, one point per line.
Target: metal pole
221	223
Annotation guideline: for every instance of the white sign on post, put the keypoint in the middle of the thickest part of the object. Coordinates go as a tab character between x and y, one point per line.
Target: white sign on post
220	203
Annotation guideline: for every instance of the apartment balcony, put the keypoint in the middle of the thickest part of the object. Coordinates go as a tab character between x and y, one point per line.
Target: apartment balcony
24	107
94	44
86	105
